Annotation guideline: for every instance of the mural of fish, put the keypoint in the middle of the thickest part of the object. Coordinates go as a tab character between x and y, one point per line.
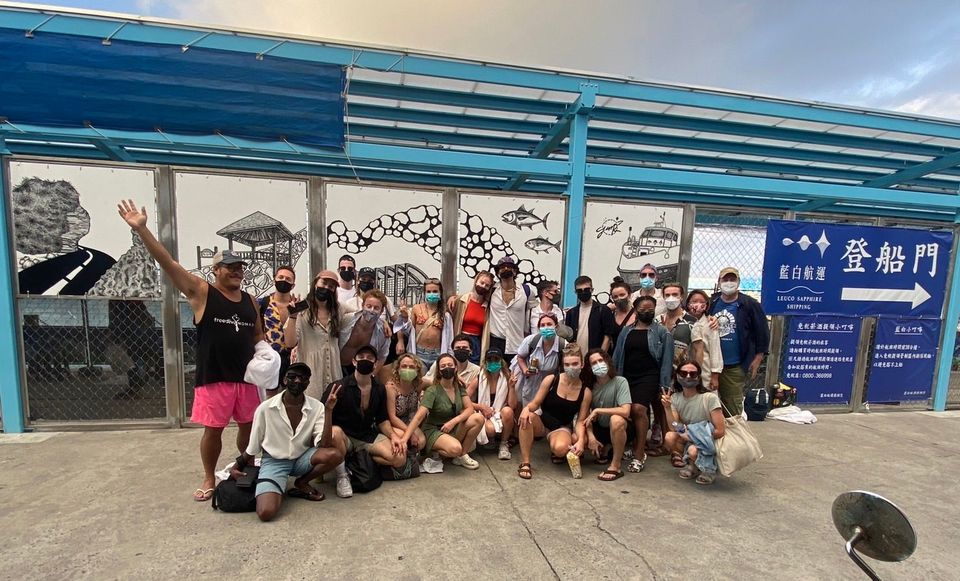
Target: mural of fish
523	217
539	245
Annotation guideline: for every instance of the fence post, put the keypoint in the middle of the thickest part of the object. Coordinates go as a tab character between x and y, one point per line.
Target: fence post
316	226
777	332
170	299
686	245
577	148
11	389
449	239
948	341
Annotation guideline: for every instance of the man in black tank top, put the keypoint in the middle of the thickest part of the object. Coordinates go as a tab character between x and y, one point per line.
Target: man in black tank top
228	327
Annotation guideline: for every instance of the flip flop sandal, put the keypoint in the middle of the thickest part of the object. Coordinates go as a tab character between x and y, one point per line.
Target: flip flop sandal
201	495
688	472
615	473
705	478
297	493
656	452
677	460
524	471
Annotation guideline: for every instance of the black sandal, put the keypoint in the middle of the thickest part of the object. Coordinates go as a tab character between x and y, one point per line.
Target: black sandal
615	473
524	471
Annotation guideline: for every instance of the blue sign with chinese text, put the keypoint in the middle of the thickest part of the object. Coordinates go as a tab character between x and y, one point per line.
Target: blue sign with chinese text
812	268
904	358
820	356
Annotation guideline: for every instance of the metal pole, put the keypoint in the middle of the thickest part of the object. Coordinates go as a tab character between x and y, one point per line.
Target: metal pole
11	361
686	244
449	239
316	225
948	331
777	333
862	364
573	247
170	299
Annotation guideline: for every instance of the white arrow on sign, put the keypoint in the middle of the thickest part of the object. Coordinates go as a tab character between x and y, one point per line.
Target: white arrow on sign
916	297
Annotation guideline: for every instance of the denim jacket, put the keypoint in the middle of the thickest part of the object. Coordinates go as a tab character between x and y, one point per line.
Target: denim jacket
660	343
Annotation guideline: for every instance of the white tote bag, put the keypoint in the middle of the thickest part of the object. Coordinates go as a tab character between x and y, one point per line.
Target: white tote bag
738	447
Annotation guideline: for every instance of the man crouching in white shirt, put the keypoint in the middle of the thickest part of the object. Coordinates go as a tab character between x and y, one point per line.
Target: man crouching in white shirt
305	451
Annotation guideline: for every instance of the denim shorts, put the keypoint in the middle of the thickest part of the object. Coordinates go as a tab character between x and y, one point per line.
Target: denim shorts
277	471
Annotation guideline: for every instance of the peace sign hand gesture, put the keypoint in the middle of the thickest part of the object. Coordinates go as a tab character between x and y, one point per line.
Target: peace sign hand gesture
332	396
128	211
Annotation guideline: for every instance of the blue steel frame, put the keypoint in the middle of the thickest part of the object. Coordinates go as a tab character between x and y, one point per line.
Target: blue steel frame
511	152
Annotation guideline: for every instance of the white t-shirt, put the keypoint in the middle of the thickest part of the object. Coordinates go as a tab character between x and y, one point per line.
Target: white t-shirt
661	306
583	328
344	294
509	321
535	313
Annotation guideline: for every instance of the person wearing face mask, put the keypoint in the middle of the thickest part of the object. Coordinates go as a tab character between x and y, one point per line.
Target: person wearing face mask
305	451
427	327
561	398
347	267
492	394
360	420
462	351
592	324
648	288
705	340
700	412
537	358
470	314
644	355
449	419
403	396
315	333
624	315
676	320
273	309
609	427
744	338
362	328
548	293
509	312
366	280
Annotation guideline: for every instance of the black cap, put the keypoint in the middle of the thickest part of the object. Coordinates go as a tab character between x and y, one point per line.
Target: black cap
366	348
301	368
507	261
367	271
494	353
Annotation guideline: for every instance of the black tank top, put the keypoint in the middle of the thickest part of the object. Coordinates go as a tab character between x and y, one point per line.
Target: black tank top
562	409
225	338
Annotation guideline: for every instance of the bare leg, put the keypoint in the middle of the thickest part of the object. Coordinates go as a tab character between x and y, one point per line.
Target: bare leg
641	419
382	453
448	446
243	436
508	419
210	445
560	442
473	426
323	460
618	438
527	434
268	505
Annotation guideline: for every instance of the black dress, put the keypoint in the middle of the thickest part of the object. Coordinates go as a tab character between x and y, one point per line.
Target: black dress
640	368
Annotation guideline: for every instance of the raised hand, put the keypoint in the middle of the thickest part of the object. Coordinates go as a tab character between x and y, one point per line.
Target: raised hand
133	217
332	396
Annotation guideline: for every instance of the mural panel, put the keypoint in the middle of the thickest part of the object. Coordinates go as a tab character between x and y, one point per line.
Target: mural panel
529	229
68	237
394	231
263	220
618	239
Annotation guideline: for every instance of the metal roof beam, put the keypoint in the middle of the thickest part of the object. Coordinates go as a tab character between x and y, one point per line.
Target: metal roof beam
456	98
813	205
113	152
915	171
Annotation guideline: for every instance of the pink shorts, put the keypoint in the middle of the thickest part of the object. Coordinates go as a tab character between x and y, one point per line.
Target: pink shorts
215	403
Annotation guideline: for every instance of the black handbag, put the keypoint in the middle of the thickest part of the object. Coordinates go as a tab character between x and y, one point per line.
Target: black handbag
409	470
228	496
364	472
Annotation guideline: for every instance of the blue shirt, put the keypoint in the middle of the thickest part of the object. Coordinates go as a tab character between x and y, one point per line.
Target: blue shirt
726	314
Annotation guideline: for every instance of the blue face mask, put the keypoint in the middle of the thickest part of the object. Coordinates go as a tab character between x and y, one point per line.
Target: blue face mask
548	332
494	366
433	297
647	282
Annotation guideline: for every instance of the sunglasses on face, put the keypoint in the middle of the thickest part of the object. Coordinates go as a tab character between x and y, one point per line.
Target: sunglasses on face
648	275
682	373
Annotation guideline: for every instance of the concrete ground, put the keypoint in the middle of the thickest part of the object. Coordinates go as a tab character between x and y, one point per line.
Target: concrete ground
116	505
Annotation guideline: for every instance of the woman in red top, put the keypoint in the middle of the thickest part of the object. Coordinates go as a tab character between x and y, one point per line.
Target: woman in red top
470	314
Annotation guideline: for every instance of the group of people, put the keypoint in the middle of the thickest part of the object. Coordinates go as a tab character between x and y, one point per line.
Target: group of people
651	373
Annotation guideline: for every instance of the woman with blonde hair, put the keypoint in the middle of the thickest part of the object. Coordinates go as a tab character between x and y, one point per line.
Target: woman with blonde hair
428	326
403	396
470	314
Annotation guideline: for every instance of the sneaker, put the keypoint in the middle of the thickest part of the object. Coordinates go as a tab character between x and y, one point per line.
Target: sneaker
344	490
466	461
504	453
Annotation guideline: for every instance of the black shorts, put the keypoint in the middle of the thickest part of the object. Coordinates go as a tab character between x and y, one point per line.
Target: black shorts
551	423
602	433
644	392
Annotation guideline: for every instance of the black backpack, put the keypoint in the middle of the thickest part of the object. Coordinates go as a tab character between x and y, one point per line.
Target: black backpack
364	472
228	497
757	404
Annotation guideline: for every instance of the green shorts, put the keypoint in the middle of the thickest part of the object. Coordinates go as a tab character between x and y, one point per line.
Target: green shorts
355	445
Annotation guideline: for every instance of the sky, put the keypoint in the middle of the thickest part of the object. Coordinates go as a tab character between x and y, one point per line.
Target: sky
885	54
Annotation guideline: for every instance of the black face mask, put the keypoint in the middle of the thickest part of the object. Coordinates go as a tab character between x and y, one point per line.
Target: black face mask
461	355
556	299
481	290
365	286
645	317
506	273
321	294
448	372
584	294
296	388
283	286
364	366
347	274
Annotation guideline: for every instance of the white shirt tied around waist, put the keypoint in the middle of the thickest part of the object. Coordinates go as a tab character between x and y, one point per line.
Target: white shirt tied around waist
273	434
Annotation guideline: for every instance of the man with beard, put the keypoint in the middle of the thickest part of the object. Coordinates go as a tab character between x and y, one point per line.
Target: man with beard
228	326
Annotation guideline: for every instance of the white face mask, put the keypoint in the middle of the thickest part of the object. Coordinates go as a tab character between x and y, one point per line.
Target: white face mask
672	303
600	369
729	288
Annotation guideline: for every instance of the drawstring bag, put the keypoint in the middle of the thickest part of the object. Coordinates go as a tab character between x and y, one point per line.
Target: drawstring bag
738	448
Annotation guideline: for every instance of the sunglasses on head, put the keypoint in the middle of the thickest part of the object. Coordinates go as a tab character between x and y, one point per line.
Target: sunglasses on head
682	373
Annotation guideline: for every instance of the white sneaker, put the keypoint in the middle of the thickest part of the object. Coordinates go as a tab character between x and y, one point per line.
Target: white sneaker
344	490
466	461
504	453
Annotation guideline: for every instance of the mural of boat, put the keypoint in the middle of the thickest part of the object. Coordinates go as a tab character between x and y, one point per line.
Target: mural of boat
657	245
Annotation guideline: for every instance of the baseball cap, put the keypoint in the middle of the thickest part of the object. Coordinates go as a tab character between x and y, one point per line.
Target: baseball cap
367	271
367	349
226	257
301	368
329	274
730	270
506	261
494	353
650	267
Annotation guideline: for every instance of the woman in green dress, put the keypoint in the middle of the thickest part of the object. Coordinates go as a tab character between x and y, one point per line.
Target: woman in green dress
450	424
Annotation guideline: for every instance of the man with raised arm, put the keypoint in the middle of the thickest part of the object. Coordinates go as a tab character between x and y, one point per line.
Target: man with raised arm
228	326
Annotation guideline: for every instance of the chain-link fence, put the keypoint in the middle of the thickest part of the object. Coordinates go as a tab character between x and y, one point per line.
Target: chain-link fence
188	333
93	358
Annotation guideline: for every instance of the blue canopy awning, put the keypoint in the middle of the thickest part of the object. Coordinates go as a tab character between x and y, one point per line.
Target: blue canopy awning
70	81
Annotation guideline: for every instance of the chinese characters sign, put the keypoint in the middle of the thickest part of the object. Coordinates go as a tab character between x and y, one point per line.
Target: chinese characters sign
904	357
811	268
820	357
